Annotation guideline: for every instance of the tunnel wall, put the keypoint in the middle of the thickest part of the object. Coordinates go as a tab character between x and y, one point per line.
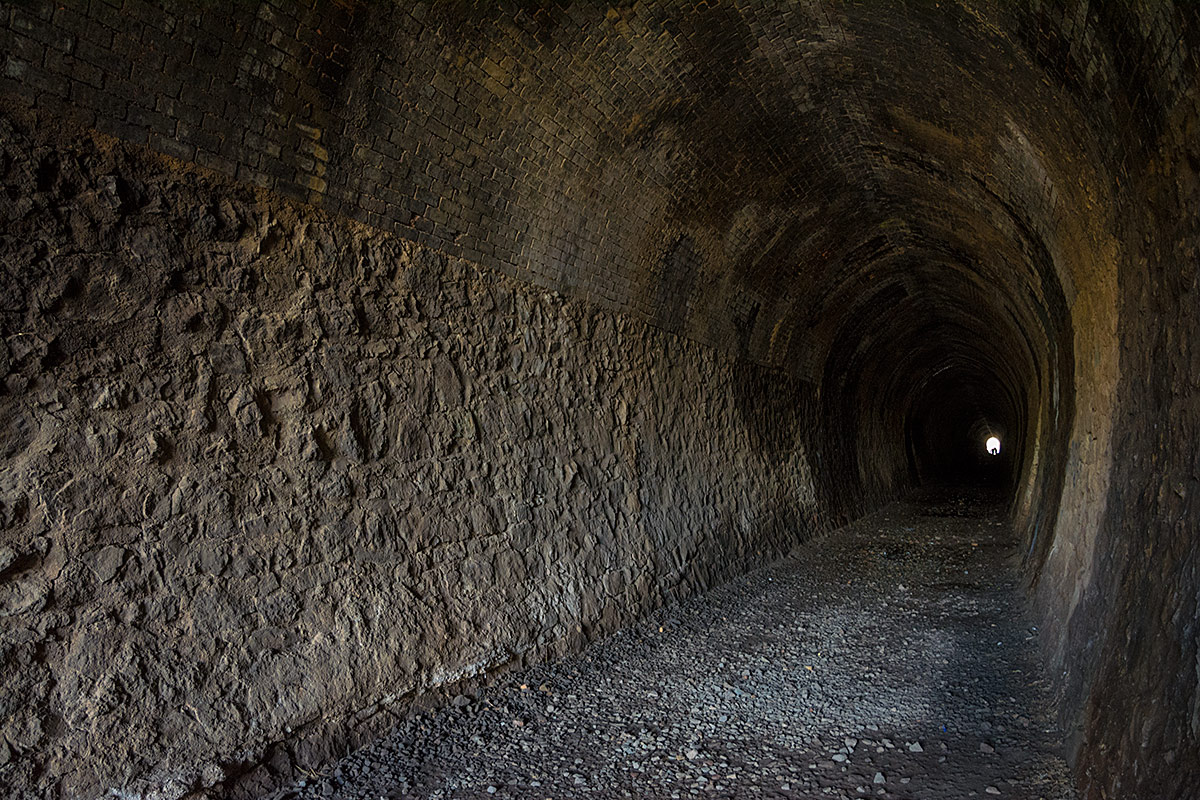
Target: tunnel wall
268	476
1118	592
215	561
1135	642
509	135
769	184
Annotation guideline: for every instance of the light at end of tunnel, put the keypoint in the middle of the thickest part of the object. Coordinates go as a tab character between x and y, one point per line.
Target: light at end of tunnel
993	445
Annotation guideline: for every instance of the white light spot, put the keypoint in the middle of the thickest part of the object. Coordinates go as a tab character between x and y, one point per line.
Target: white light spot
993	446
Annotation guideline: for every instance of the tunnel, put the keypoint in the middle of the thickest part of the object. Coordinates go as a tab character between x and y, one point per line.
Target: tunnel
358	356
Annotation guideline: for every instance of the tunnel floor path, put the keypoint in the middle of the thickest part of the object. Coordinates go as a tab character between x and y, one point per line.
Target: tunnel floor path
893	658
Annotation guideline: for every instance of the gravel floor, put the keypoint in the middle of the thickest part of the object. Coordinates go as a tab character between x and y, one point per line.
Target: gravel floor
893	658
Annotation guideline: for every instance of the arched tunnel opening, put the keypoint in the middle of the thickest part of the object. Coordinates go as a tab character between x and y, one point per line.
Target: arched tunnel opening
644	399
958	432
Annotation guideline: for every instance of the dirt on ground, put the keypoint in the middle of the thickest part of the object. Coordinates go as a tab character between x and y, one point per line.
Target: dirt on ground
892	658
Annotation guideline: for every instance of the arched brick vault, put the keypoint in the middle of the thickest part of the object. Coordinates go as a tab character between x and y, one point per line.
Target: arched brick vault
831	226
754	178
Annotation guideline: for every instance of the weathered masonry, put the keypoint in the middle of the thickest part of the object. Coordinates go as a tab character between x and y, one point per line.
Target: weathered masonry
354	351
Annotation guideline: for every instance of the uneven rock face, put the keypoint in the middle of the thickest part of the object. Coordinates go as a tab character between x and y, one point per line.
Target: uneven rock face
265	473
581	307
1134	639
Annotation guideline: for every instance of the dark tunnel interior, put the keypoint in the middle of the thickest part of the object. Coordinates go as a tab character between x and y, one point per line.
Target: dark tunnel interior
355	353
952	421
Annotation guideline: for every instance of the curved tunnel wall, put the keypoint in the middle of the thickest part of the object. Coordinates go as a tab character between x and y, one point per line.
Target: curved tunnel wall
806	221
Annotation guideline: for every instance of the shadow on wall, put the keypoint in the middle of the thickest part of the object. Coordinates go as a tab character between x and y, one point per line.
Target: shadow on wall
328	475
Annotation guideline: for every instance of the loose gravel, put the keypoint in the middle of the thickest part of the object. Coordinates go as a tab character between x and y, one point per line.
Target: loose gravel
892	658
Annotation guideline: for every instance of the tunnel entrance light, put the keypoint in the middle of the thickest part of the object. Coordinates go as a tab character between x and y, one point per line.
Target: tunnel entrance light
993	446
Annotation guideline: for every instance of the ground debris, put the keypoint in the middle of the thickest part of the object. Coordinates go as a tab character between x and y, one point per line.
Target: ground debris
914	699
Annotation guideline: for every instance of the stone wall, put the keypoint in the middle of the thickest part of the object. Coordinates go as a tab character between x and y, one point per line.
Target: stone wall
1122	585
548	143
865	196
265	474
1118	588
1142	716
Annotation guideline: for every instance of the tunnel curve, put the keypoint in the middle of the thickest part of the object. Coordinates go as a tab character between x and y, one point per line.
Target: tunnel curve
412	343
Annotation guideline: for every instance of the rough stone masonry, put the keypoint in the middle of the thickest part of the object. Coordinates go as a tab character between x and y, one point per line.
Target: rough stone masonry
266	473
353	352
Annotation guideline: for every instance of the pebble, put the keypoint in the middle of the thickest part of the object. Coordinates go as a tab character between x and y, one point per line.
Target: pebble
639	708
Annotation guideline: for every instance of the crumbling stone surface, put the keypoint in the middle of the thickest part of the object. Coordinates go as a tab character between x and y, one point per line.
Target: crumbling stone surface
266	474
1131	638
926	216
743	174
